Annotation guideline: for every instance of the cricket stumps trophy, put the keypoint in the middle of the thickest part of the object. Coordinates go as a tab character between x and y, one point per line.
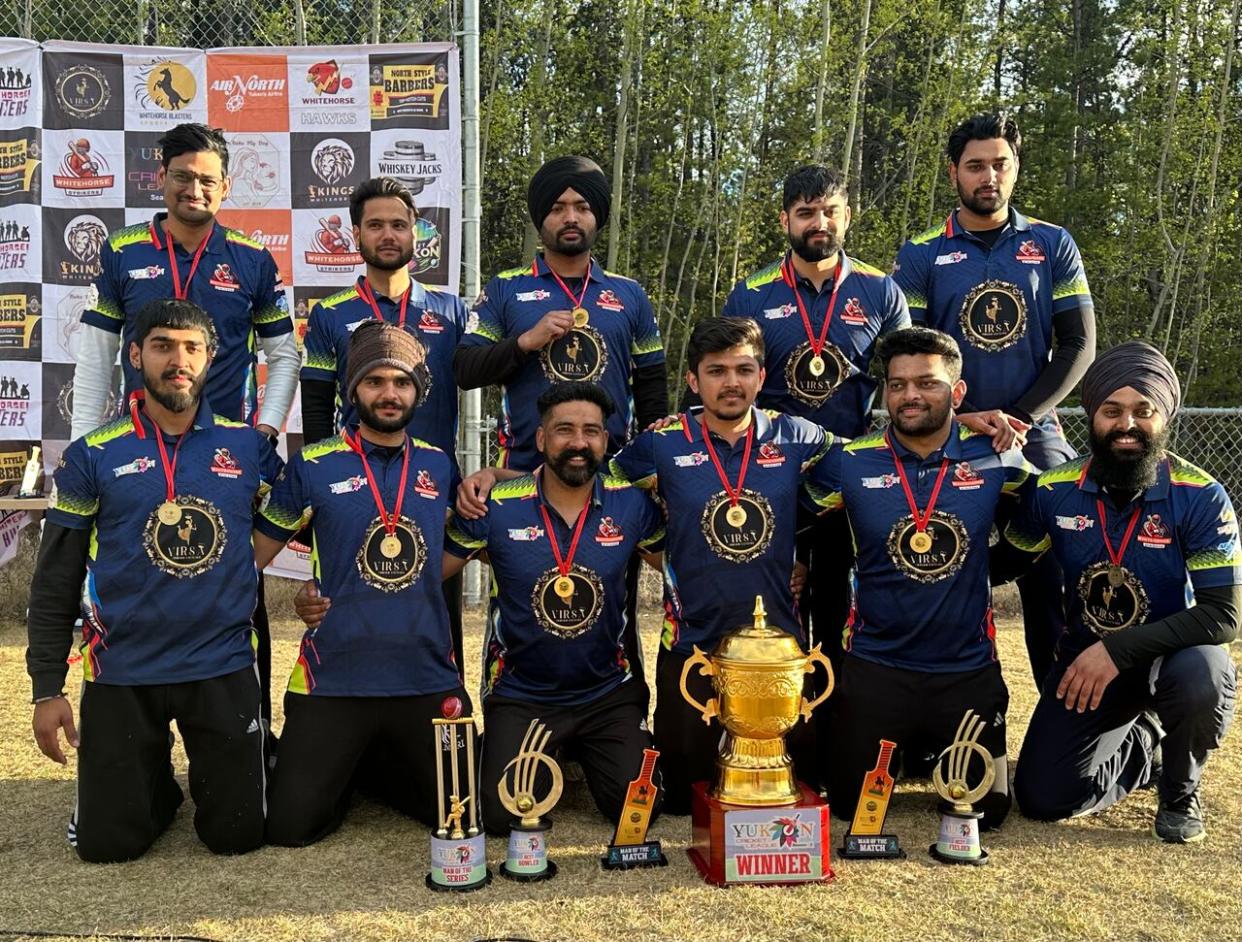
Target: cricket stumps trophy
458	853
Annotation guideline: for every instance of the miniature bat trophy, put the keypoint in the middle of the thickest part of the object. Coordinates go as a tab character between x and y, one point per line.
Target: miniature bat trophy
630	847
865	839
527	858
959	822
458	854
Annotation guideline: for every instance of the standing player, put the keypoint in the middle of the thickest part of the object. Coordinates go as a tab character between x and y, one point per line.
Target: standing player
1012	292
154	511
383	216
821	313
370	679
1143	687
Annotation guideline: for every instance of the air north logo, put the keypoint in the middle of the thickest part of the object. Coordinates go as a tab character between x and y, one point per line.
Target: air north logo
1030	252
248	93
609	534
82	172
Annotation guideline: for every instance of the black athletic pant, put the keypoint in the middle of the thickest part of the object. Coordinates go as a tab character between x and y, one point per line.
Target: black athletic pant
876	702
452	588
688	746
386	746
1075	763
263	655
606	736
127	795
633	641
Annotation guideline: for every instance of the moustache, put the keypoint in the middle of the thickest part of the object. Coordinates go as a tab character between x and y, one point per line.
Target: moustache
1143	438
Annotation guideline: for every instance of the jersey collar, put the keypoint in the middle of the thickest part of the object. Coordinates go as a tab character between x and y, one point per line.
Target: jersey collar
539	267
954	229
693	424
1157	491
418	293
214	240
597	488
952	448
847	269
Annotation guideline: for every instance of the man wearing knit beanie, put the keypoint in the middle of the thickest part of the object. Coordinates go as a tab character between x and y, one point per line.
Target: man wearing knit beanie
1142	687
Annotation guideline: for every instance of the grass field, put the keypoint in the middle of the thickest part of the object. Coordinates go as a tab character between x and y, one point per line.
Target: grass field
1099	878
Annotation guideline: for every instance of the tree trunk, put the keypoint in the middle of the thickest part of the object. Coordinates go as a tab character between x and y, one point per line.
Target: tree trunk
539	81
821	87
617	222
860	67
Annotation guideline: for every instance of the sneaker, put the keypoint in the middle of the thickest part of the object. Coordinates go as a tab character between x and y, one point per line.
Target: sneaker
1180	822
1150	723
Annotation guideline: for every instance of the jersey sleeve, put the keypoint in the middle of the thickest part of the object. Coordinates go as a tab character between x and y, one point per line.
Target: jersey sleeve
319	361
269	308
1020	474
466	538
1209	540
287	509
822	484
1028	530
104	302
636	462
270	464
896	309
459	316
651	538
913	277
1069	278
647	347
486	323
75	490
735	303
815	442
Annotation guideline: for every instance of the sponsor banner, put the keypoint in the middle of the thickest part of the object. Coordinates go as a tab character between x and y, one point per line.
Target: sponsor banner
72	240
164	87
327	169
328	92
324	250
247	92
83	87
12	522
21	418
84	169
21	316
143	156
62	321
21	153
259	168
427	162
270	227
21	87
409	89
57	403
21	242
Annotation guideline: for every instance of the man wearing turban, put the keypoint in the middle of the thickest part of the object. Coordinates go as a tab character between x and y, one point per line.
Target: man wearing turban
1142	686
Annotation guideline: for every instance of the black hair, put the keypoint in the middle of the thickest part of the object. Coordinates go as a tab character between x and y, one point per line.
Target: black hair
560	393
175	315
812	181
984	127
374	188
194	139
718	334
921	341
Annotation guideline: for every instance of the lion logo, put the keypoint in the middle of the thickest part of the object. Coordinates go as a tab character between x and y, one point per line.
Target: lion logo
332	160
84	237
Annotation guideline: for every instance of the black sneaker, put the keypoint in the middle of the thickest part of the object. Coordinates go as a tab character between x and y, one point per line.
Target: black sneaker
1150	724
1180	822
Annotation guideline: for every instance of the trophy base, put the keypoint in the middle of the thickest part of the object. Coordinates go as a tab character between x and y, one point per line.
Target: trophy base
631	856
871	847
463	888
969	861
527	860
547	873
959	838
458	865
736	845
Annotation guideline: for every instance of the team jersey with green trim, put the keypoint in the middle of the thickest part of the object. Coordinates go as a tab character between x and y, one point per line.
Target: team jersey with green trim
931	610
997	303
868	305
386	633
236	282
713	569
620	335
1185	538
542	646
436	318
165	604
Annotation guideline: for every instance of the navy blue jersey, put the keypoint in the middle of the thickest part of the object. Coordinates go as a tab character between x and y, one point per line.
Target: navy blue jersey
165	602
999	303
387	632
713	568
1185	538
867	305
236	282
923	608
436	318
541	645
619	335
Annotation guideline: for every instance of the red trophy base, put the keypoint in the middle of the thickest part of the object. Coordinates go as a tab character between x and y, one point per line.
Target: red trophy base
737	845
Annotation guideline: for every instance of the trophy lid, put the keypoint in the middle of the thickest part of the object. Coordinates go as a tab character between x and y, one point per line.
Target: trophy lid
758	643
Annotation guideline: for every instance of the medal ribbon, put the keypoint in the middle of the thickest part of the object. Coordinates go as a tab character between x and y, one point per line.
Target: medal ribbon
734	493
180	292
586	283
1115	558
390	522
920	520
791	279
170	467
563	563
367	294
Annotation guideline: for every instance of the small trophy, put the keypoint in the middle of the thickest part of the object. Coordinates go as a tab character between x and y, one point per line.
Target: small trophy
959	822
630	847
865	839
527	860
458	855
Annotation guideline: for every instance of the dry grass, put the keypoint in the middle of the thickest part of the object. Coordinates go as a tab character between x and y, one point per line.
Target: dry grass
1101	878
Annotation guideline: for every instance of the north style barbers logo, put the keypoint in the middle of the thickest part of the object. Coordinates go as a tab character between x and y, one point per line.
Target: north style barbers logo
19	316
410	92
19	159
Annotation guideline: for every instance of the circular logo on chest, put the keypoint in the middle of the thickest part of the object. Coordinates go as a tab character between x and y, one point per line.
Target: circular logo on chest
993	315
393	562
185	536
738	532
580	355
1111	604
813	378
567	605
932	554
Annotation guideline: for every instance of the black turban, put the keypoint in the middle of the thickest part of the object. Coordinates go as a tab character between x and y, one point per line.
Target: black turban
580	174
1135	364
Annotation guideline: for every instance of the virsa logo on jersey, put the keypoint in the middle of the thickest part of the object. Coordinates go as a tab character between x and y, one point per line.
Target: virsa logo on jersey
164	86
15	92
82	172
84	237
14	244
411	163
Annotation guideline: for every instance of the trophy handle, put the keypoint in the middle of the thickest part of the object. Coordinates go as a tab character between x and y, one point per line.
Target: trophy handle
700	660
817	657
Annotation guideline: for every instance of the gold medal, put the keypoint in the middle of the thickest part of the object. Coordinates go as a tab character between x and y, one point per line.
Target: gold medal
921	541
390	546
816	366
169	513
1116	576
581	317
564	587
736	515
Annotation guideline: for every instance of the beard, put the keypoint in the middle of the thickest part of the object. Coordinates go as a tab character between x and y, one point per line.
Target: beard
931	420
555	240
814	253
174	400
1127	471
377	423
377	261
573	475
982	205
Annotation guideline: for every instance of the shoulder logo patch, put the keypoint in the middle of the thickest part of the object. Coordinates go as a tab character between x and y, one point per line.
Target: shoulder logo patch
1075	524
525	534
224	464
609	534
609	301
1030	253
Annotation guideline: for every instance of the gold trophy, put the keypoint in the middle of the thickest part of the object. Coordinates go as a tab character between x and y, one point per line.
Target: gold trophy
527	858
959	822
866	839
458	854
757	673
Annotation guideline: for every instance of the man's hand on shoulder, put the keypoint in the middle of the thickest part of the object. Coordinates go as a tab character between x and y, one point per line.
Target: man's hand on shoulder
1006	431
472	493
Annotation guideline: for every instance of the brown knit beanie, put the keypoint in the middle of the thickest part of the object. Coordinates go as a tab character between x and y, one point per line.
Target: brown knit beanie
378	343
